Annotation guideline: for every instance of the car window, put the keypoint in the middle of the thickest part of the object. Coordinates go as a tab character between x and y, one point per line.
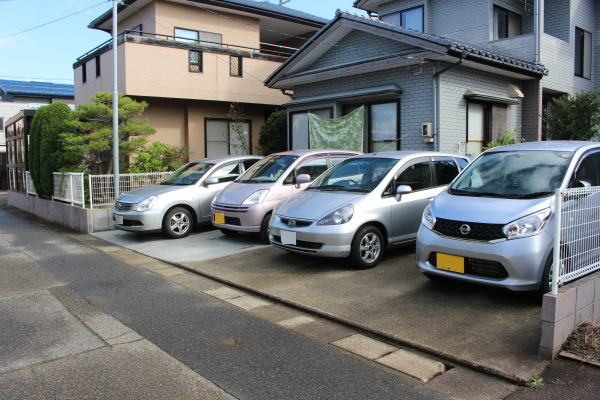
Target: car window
417	176
227	173
445	171
269	169
587	172
355	174
189	174
249	163
462	162
313	167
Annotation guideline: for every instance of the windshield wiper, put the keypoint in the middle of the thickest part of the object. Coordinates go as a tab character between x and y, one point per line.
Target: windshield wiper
534	195
331	187
461	192
247	181
493	194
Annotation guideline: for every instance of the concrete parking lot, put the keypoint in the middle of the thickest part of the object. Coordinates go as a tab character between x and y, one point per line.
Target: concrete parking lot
487	329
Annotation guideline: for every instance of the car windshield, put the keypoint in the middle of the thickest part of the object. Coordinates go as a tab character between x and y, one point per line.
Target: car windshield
268	169
189	174
354	175
512	174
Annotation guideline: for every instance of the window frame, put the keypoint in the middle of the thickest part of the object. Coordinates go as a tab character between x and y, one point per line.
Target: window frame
97	62
583	53
397	17
84	73
199	63
136	30
291	115
232	72
226	135
509	26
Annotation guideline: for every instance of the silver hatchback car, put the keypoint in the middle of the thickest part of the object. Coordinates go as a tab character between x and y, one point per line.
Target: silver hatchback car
182	200
494	225
364	204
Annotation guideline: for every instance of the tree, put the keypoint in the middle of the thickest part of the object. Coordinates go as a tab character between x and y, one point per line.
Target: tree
89	144
238	137
573	117
46	154
273	134
159	157
509	137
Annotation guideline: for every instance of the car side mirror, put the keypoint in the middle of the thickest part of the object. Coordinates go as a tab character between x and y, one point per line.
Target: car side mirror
211	181
302	178
402	189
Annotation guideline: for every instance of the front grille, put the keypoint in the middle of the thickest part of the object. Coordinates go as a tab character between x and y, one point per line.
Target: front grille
297	222
480	232
123	206
221	207
232	221
300	244
132	222
478	267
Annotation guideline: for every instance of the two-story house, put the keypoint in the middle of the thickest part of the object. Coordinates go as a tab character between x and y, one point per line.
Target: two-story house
190	60
446	75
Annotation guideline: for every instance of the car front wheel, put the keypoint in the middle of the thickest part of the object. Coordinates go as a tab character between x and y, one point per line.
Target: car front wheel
367	248
177	223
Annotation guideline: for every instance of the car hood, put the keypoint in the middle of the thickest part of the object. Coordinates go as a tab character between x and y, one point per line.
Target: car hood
236	192
314	205
137	195
486	210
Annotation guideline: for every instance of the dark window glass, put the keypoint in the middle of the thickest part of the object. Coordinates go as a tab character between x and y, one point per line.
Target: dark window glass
84	73
445	171
136	30
97	66
506	23
583	53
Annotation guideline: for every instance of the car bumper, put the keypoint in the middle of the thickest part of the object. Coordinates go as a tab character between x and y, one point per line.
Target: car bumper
516	265
322	241
132	221
238	218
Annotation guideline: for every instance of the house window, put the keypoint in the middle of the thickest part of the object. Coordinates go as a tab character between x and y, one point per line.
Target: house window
486	122
382	121
1	124
198	37
413	18
97	66
195	61
225	137
84	73
136	30
506	23
299	126
235	66
583	53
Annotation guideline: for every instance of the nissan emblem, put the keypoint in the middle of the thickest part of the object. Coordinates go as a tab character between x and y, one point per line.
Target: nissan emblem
465	229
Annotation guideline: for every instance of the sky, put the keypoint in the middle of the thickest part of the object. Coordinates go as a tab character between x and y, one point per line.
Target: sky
41	39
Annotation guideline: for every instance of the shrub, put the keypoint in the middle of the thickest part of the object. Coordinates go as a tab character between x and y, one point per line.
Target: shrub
273	134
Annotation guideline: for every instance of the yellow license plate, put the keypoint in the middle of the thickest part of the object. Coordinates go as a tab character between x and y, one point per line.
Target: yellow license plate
451	263
219	218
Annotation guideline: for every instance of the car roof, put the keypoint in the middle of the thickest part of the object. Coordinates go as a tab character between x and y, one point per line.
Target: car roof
219	159
400	154
315	151
550	145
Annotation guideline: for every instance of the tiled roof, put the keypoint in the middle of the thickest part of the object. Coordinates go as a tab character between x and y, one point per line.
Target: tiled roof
492	56
37	89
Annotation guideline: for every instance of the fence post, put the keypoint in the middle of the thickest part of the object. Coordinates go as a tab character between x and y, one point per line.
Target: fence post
91	191
71	188
82	182
557	232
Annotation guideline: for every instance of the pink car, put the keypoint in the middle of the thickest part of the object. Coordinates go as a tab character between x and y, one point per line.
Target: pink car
246	204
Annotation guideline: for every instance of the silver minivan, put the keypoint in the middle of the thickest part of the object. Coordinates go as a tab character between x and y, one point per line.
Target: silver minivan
364	204
494	225
246	205
182	200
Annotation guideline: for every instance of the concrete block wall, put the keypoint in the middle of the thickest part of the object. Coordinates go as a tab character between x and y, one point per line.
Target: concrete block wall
73	217
575	303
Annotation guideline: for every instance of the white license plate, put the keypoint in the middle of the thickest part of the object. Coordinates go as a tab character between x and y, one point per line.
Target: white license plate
288	237
119	219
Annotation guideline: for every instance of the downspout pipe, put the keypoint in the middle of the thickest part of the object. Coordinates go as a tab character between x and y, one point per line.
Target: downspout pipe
435	79
536	30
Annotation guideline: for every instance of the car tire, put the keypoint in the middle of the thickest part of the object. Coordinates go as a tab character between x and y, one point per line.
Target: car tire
178	223
546	282
228	232
264	229
367	248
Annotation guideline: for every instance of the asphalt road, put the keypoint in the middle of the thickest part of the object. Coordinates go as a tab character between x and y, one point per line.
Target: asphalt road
58	296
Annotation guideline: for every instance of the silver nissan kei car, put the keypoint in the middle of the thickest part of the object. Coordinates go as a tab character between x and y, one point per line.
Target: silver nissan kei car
494	225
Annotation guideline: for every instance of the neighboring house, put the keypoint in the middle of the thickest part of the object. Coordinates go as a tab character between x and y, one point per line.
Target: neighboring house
462	71
191	60
16	96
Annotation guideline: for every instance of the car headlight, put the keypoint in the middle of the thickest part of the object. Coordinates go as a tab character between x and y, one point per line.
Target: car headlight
428	219
339	216
256	197
145	204
527	226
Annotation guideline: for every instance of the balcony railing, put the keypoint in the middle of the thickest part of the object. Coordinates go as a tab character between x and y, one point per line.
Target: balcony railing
265	48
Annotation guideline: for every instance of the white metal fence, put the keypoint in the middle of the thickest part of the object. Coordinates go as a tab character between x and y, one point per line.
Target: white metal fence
68	187
577	234
102	186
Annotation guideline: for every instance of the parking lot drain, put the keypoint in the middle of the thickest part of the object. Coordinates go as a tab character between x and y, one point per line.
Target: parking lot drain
364	346
412	364
296	321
